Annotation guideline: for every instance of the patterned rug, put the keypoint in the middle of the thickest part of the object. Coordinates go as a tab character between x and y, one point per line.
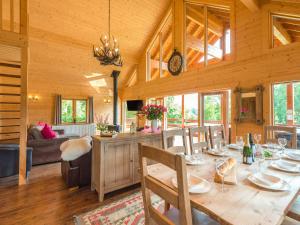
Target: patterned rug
126	211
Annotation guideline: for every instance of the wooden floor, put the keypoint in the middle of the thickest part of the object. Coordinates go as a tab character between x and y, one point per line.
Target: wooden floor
46	199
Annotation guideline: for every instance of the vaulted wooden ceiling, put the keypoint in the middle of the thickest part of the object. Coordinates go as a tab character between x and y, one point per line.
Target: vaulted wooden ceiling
67	31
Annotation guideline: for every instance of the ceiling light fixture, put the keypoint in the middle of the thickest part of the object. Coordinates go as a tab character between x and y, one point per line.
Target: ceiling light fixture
109	52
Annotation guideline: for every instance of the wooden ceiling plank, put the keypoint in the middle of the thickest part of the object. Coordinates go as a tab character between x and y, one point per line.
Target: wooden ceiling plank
281	34
252	5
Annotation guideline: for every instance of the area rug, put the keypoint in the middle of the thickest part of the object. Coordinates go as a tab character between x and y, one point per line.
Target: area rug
126	211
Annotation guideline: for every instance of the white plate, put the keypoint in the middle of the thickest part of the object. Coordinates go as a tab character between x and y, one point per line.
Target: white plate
286	166
269	182
197	185
194	161
292	155
217	152
235	147
274	147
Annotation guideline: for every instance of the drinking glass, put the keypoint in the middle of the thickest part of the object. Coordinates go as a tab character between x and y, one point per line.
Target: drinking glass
257	138
261	160
221	172
282	142
239	141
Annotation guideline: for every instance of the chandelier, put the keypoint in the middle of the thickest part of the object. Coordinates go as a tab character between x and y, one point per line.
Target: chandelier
109	52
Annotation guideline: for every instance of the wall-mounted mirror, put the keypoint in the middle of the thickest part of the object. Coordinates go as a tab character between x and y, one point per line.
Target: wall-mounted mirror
249	105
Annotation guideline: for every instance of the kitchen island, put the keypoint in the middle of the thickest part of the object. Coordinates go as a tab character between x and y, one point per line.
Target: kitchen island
115	162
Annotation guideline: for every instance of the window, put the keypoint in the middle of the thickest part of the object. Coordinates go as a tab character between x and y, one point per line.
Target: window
285	30
286	103
183	110
208	37
160	51
212	109
74	111
130	116
174	114
191	110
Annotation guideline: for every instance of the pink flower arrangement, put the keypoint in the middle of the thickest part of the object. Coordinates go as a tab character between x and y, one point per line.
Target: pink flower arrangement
244	110
154	112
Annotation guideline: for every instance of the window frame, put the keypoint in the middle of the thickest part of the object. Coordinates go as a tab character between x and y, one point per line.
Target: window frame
288	101
158	35
271	27
74	113
227	58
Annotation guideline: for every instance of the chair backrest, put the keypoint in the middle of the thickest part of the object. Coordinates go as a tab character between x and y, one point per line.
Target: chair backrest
172	134
178	198
216	134
200	133
272	133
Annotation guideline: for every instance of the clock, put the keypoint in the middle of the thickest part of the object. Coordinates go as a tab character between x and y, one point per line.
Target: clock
175	63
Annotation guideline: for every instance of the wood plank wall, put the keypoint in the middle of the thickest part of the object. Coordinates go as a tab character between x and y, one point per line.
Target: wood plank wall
10	91
253	63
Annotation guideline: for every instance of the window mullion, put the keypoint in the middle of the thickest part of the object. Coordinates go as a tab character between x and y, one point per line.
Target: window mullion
74	110
160	54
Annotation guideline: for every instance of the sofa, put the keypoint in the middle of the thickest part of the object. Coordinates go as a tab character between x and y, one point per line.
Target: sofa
45	150
9	160
77	173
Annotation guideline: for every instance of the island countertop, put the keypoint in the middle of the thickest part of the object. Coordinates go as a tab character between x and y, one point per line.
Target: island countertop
125	136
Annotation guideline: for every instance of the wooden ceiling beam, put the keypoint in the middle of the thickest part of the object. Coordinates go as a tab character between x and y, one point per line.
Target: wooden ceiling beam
281	34
196	44
214	24
252	5
155	64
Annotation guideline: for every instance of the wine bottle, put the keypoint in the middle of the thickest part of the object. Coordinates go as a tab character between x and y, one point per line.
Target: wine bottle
247	152
252	146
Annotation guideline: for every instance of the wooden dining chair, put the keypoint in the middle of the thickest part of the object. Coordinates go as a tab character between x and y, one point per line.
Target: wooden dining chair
169	138
201	133
181	212
216	134
294	212
272	133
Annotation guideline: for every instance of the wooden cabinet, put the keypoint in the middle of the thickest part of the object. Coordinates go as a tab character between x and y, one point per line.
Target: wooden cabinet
115	162
118	165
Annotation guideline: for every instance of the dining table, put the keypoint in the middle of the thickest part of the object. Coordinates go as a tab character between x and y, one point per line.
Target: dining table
243	203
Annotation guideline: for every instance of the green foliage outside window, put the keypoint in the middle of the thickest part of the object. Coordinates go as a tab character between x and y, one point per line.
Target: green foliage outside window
67	111
212	107
80	111
174	110
280	103
297	103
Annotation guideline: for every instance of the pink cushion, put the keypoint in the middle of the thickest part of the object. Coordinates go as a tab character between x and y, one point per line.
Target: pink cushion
47	132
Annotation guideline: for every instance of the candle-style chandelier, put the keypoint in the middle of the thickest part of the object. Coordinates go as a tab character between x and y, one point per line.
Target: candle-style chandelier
109	52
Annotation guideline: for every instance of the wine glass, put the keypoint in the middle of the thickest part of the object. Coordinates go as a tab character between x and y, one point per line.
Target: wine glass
239	141
220	165
257	138
282	142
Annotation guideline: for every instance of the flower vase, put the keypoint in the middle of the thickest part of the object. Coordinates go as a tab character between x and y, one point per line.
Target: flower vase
154	125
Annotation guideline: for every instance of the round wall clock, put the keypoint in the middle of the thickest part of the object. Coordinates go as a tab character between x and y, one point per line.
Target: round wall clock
175	63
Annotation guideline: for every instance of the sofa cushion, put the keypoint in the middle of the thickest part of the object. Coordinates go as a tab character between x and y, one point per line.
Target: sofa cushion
74	148
47	132
36	133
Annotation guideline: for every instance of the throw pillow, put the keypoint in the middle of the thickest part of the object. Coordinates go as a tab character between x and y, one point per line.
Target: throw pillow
74	148
47	132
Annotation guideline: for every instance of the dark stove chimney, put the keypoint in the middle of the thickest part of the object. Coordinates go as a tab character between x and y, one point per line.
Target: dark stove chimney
115	75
